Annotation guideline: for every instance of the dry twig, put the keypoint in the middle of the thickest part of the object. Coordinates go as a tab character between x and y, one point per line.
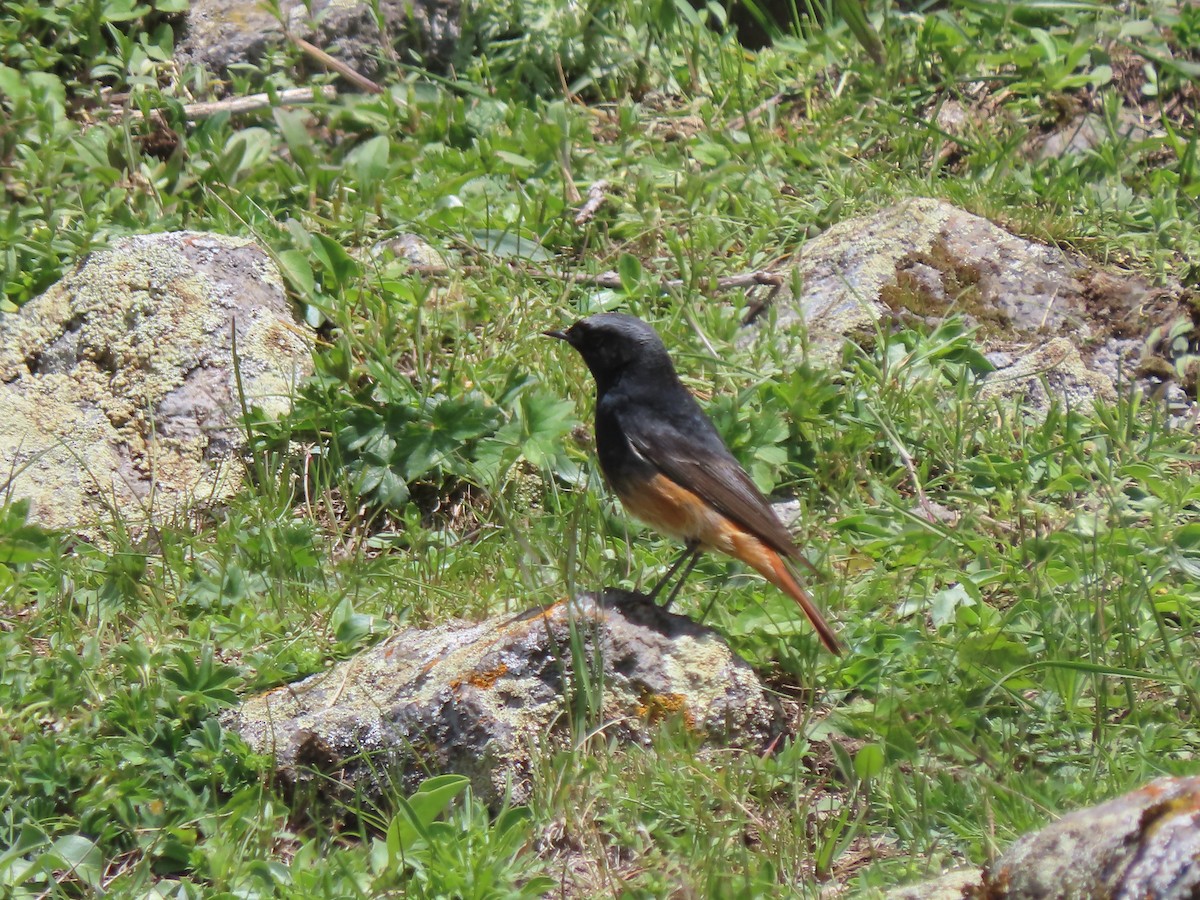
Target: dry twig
336	65
240	106
595	197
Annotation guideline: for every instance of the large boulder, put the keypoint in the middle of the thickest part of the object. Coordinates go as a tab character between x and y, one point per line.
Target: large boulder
923	260
481	699
119	386
225	34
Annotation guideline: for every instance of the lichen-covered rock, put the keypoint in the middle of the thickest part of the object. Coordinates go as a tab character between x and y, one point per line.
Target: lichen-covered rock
1046	375
1144	845
478	699
954	885
221	34
118	390
925	258
922	261
412	248
1087	130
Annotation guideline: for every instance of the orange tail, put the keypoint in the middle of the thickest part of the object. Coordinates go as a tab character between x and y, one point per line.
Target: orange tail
772	567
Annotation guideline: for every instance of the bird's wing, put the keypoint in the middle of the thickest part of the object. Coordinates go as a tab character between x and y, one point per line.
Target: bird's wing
694	456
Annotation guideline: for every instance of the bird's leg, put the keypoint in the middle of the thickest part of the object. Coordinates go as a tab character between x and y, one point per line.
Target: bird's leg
694	550
691	550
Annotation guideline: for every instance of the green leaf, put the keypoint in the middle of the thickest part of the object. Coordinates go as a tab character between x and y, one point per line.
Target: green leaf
465	418
293	125
418	451
1188	537
401	835
518	162
49	93
298	272
21	543
339	266
629	269
246	152
435	795
13	85
992	652
391	490
1047	42
419	811
946	602
1100	76
869	762
77	855
369	161
508	243
350	627
123	11
18	861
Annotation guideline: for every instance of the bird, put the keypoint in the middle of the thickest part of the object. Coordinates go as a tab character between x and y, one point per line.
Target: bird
665	460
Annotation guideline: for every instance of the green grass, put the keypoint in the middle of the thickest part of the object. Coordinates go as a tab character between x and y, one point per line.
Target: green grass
1038	654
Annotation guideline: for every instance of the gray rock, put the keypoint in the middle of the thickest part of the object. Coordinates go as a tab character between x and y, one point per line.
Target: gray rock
224	33
922	261
927	260
411	248
1088	130
954	885
480	699
1053	373
117	386
1144	845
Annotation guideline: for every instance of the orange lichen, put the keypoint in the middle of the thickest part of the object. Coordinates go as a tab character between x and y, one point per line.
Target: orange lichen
488	677
656	707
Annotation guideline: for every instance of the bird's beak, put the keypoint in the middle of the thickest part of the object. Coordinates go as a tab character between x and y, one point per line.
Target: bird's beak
561	335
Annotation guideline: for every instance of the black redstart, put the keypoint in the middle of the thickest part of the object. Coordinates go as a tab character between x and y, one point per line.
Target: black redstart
664	459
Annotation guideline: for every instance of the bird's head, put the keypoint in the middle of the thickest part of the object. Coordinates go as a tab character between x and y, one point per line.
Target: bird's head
613	343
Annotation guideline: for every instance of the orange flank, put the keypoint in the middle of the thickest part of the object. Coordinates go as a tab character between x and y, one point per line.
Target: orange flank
673	510
676	511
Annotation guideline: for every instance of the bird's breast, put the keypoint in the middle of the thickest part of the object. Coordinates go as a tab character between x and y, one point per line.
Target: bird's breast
619	461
